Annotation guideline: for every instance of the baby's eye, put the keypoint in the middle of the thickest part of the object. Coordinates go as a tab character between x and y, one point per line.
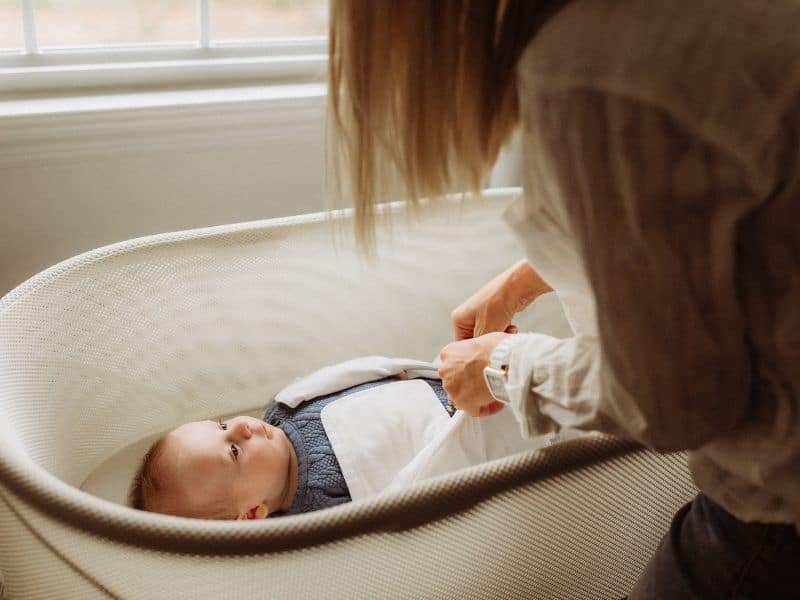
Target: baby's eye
234	451
223	426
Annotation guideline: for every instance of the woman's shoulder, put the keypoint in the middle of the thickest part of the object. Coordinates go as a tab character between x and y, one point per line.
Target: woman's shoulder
613	40
714	65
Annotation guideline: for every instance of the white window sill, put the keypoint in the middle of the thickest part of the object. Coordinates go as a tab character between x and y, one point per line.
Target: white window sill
81	125
82	103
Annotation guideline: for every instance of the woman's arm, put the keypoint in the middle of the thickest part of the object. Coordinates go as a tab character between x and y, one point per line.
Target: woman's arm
493	306
655	210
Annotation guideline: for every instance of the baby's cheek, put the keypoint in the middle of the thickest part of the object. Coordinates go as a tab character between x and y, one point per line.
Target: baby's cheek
268	458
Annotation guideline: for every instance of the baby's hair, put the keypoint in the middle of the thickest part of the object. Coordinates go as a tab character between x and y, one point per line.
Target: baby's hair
146	484
149	485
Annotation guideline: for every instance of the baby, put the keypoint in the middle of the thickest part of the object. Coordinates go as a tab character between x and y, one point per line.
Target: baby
246	468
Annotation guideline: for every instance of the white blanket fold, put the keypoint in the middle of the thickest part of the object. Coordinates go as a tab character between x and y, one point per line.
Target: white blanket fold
352	372
390	436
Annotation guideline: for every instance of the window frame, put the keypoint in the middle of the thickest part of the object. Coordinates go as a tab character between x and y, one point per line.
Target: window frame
277	60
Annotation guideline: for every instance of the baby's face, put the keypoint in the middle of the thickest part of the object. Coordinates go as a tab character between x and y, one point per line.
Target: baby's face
241	463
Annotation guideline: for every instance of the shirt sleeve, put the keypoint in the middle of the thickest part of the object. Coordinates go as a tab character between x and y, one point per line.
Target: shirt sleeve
654	209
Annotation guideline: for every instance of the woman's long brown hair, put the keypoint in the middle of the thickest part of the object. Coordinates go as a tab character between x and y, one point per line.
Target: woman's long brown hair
421	97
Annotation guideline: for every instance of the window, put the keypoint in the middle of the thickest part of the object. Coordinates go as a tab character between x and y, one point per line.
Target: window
59	44
10	25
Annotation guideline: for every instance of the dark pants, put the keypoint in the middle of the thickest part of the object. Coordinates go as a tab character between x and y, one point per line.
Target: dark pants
709	554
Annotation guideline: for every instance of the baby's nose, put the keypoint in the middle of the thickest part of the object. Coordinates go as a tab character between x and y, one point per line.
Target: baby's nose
244	430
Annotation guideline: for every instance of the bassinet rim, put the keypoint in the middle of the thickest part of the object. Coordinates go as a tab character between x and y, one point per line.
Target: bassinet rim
174	237
423	503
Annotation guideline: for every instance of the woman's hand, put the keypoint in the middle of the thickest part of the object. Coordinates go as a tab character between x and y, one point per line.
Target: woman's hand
493	306
461	371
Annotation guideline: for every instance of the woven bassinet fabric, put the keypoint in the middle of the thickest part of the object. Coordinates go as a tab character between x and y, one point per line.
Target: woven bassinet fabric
125	342
586	533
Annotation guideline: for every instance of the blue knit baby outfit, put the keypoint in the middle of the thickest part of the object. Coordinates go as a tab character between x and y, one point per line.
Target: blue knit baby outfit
320	483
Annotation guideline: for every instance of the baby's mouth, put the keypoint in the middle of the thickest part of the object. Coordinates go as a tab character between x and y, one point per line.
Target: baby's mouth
267	430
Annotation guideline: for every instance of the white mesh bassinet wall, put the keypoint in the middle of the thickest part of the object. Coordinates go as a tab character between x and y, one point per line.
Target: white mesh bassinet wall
114	346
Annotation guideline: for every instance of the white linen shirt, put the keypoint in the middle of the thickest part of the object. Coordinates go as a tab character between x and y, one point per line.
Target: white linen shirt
662	203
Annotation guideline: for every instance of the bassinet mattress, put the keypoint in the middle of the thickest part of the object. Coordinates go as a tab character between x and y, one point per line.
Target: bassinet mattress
108	349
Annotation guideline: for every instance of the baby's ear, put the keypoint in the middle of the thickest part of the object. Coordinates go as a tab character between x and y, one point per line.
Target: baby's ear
256	512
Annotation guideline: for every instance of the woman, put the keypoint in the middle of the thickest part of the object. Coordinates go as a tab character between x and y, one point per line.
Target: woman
662	191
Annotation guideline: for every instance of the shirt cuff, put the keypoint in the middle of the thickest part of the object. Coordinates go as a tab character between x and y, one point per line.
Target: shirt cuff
523	350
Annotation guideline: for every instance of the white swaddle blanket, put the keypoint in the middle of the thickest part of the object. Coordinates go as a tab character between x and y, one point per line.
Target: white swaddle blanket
390	436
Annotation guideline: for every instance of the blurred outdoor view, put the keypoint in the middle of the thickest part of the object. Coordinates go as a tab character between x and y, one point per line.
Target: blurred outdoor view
116	22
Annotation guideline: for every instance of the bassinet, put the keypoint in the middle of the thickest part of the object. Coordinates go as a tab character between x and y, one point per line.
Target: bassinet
100	353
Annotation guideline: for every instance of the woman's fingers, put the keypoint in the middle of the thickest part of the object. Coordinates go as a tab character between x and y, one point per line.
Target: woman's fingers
492	307
463	320
461	370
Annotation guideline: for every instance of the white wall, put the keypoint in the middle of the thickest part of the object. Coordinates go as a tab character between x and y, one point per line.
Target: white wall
74	181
